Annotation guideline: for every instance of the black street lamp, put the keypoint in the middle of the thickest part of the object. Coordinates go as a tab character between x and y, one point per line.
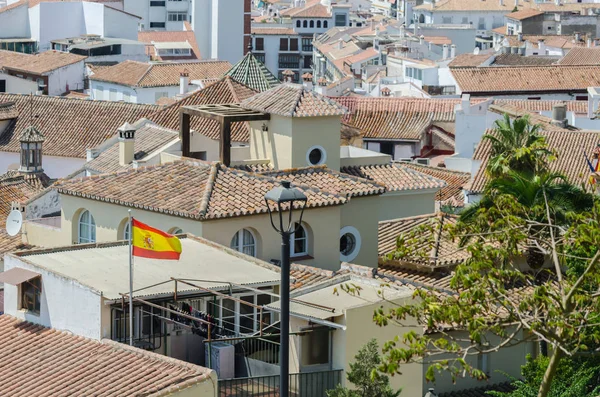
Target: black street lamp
285	198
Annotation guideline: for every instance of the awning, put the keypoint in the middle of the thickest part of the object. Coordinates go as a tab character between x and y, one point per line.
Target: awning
17	275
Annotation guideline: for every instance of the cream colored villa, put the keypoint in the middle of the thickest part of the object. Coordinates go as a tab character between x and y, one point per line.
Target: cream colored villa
349	189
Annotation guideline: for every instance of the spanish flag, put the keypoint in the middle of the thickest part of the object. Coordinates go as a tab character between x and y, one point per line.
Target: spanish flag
149	242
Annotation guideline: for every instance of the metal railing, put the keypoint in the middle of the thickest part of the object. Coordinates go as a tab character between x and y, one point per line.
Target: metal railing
305	384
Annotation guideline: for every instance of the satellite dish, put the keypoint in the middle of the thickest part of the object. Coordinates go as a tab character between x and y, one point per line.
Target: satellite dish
14	222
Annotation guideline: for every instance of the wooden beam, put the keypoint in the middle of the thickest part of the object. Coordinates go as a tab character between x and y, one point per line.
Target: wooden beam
225	143
184	133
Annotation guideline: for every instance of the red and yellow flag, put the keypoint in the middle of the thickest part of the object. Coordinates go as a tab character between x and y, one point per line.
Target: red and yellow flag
149	242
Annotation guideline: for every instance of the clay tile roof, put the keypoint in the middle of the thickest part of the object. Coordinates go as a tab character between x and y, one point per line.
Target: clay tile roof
545	122
39	64
471	5
312	9
452	194
160	36
139	74
13	6
11	243
329	180
224	91
189	189
568	146
543	105
66	364
8	111
468	60
396	118
432	248
417	278
19	187
293	100
148	139
273	31
395	177
526	78
524	14
253	73
303	276
582	56
70	126
520	60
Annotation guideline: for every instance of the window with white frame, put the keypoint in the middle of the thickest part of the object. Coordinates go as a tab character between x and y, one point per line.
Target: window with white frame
414	73
87	228
166	52
244	241
126	231
99	92
299	245
240	316
126	96
112	94
350	243
176	16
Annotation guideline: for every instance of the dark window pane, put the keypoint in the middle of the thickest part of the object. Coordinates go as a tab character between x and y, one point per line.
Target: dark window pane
293	44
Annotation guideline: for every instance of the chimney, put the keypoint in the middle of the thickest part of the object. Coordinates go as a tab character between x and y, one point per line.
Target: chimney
559	115
184	81
453	51
288	76
520	36
589	42
445	51
577	37
385	91
542	47
421	38
126	144
307	81
465	102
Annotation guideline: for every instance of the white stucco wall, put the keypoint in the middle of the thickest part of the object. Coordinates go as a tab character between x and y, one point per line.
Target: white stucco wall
101	90
70	76
227	31
65	303
118	24
54	167
139	8
93	18
17	85
14	23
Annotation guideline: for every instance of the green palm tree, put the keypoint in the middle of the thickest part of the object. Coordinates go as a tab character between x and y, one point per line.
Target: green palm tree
530	191
516	146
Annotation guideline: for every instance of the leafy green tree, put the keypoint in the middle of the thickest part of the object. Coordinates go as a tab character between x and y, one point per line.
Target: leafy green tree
574	378
525	209
364	376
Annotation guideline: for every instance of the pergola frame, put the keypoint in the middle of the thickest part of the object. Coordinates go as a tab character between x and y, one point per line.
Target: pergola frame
225	114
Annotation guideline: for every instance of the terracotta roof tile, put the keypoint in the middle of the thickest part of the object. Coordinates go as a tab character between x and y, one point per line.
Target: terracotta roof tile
66	364
471	5
39	64
557	41
520	60
569	146
395	177
161	36
581	56
396	118
148	139
273	31
530	79
139	74
416	278
312	9
189	189
468	60
523	14
452	194
432	248
543	106
8	111
70	125
253	73
328	180
224	91
293	100
11	243
545	122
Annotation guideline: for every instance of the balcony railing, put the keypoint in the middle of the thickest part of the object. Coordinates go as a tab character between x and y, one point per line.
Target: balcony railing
305	384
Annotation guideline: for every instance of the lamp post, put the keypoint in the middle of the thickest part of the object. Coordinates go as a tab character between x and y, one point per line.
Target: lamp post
285	197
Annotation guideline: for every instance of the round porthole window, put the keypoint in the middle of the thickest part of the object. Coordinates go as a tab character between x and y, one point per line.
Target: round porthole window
316	155
349	243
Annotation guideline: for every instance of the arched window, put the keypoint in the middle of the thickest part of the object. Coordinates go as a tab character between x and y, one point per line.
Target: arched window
421	18
305	24
87	228
244	241
126	231
175	230
325	24
299	245
318	24
312	24
298	23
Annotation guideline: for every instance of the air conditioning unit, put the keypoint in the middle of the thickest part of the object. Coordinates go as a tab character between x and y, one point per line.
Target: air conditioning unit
405	160
422	161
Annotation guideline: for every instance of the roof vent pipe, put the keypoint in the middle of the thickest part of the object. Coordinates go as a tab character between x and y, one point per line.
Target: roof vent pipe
559	115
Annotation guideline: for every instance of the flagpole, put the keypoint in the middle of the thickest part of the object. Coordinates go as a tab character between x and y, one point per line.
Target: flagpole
130	280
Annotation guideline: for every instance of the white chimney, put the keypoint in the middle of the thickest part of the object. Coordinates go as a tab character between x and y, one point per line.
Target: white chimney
184	81
559	115
452	51
307	81
465	102
541	47
126	144
589	42
445	51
